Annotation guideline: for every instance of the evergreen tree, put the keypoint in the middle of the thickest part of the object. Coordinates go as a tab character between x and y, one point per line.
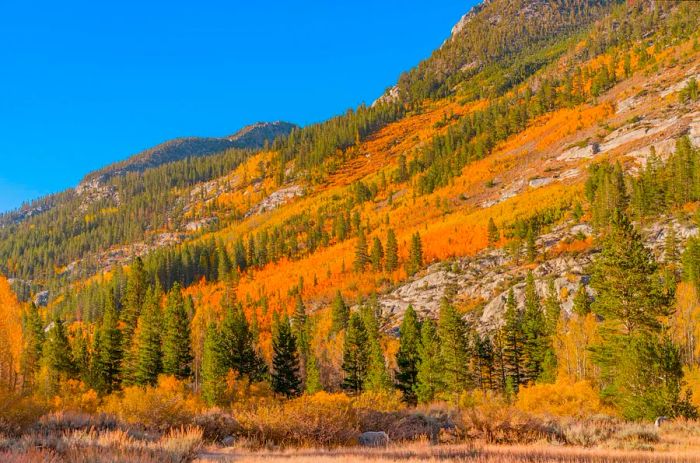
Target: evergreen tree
146	348
391	262
534	332
177	344
377	254
237	349
355	355
340	313
56	355
531	244
493	234
213	370
513	342
313	375
454	349
106	367
628	289
33	338
582	301
377	378
361	255
407	358
136	288
415	258
429	378
285	361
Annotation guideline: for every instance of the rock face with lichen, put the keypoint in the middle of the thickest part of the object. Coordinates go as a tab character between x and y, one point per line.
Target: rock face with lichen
484	280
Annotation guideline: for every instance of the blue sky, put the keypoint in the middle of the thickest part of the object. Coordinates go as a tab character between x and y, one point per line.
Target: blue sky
83	84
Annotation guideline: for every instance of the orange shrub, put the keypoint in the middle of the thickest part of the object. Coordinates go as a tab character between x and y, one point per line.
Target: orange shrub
321	419
563	398
168	405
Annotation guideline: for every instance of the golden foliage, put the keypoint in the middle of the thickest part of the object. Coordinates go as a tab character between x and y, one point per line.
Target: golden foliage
321	419
10	336
563	398
167	405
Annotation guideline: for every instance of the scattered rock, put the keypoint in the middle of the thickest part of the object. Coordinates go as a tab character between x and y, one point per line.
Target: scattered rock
374	439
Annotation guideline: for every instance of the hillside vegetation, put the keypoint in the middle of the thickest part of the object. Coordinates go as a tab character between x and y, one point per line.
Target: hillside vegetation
503	249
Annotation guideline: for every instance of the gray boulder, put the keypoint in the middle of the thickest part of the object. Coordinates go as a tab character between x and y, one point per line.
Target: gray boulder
374	439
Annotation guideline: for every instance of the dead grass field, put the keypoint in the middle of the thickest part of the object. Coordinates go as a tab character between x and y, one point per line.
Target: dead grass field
456	453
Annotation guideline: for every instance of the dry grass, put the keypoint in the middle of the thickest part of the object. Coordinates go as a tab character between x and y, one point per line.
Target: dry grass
462	453
90	446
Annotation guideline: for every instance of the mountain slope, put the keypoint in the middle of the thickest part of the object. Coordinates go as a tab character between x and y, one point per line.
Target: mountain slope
251	137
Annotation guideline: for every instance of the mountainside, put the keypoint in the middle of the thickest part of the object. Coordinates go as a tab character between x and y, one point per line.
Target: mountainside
251	137
547	149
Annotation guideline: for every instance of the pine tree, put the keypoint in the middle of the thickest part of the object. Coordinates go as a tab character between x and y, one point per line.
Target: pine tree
628	289
530	244
361	256
407	358
454	349
146	348
313	375
285	361
340	313
429	378
238	351
355	355
493	234
80	353
177	344
391	262
33	337
582	301
377	378
136	287
56	355
213	370
106	366
671	257
513	342
377	254
534	331
415	258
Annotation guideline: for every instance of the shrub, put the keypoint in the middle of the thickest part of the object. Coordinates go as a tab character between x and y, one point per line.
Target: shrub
383	401
216	425
590	432
488	416
166	406
18	413
563	398
321	419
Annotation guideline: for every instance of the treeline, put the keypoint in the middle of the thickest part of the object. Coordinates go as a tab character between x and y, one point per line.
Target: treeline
125	210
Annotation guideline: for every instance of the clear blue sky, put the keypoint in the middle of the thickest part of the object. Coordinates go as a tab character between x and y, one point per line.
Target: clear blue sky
84	84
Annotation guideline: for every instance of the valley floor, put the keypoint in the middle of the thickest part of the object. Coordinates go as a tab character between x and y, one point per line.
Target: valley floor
457	453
